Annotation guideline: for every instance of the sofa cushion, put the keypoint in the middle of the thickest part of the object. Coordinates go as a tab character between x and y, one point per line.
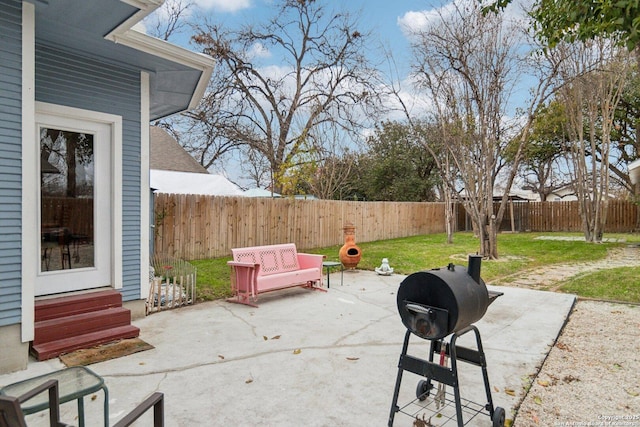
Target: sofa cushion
288	278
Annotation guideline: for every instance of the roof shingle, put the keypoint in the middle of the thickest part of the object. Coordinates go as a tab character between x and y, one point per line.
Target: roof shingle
167	154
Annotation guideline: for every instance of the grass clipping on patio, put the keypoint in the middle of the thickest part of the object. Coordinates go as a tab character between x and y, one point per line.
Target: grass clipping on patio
101	353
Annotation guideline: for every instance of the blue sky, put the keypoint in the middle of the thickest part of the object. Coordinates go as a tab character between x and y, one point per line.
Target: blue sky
381	15
389	21
384	18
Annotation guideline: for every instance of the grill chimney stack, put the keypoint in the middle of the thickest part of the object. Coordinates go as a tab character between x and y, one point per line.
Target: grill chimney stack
473	269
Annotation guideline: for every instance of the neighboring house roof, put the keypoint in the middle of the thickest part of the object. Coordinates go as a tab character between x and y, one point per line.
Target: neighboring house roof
102	29
565	193
173	182
174	171
167	154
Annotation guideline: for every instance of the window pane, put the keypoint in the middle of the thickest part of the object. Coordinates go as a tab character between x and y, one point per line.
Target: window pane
67	176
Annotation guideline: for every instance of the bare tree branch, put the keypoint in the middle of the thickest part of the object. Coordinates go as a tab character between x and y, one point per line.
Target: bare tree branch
170	19
467	62
327	79
593	75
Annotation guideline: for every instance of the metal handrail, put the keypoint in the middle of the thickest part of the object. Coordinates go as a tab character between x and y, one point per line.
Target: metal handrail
156	400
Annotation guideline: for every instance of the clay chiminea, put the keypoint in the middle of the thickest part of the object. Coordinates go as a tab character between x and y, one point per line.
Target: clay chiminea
349	253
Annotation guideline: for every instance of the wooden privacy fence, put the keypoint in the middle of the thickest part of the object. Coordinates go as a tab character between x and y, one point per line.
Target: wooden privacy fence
622	216
199	227
73	213
556	216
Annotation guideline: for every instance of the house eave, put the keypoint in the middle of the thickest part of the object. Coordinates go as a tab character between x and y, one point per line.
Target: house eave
125	35
162	49
105	30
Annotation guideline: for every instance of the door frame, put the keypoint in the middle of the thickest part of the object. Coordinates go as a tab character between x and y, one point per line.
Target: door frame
31	188
98	275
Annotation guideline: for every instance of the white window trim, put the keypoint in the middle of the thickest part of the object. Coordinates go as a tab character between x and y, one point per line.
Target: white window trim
29	164
115	122
145	186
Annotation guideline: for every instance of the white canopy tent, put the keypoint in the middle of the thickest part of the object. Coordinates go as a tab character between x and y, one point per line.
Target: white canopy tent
173	182
634	171
260	192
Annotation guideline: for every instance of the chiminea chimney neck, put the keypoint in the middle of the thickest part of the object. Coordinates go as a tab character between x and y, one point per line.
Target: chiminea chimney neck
473	269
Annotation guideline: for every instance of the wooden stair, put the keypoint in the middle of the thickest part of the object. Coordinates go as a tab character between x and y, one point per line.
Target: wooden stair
66	324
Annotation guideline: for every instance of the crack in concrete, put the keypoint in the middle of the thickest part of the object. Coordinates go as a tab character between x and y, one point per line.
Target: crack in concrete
365	327
251	326
198	365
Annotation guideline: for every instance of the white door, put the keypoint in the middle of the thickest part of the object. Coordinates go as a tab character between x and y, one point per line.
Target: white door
75	200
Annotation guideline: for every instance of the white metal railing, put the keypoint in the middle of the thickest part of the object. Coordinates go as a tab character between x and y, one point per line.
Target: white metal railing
172	283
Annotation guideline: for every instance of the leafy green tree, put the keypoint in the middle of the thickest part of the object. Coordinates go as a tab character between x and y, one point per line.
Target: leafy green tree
395	167
571	20
545	150
626	132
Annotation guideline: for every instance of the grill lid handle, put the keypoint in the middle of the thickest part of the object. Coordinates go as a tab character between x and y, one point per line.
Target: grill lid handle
419	309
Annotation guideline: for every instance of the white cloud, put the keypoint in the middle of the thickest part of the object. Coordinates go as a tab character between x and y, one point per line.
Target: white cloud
224	5
258	50
411	22
417	103
275	72
414	22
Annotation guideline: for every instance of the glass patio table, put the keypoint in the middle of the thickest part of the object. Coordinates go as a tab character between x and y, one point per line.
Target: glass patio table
73	384
329	265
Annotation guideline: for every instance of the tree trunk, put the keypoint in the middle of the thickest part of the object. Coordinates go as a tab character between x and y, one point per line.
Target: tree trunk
493	238
448	214
71	163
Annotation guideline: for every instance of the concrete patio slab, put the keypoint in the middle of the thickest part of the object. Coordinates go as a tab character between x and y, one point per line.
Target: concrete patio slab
310	358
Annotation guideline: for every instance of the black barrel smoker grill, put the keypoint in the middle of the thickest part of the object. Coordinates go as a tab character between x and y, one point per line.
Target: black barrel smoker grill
433	305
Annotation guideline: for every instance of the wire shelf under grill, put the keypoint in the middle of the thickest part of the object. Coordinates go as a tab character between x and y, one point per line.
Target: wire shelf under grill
428	412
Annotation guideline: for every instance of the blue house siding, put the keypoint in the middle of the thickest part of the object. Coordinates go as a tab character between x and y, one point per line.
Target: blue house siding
10	160
79	81
131	212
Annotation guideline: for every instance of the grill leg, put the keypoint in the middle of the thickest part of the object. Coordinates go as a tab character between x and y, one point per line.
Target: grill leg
396	392
485	374
481	361
456	388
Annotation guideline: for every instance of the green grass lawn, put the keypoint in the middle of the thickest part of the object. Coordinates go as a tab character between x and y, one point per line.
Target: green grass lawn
213	280
616	284
517	251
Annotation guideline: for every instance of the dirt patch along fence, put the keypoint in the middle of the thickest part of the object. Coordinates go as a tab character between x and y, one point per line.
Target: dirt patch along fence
200	227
